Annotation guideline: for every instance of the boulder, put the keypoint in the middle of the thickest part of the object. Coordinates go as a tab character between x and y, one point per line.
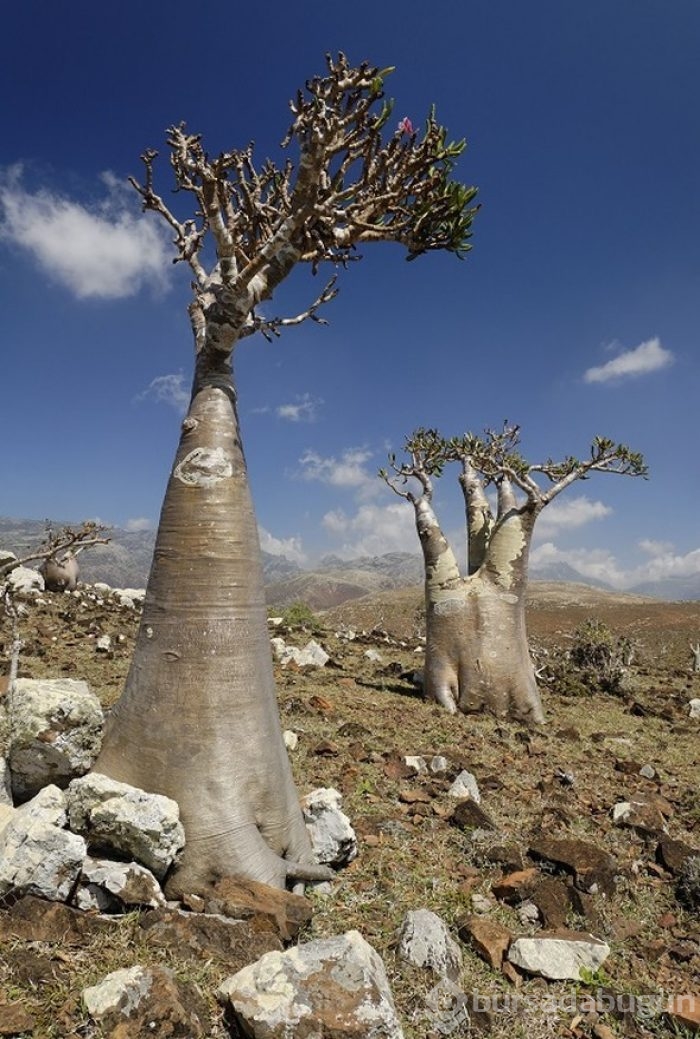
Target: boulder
126	820
559	955
425	941
138	1001
55	733
332	837
36	856
25	582
334	986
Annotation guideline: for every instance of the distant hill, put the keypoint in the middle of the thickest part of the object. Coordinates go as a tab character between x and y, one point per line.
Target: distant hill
126	561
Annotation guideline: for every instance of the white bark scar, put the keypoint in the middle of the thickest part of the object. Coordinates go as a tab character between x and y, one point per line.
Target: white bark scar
453	604
506	548
204	467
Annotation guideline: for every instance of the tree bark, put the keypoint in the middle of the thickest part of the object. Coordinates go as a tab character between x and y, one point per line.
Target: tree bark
477	655
198	719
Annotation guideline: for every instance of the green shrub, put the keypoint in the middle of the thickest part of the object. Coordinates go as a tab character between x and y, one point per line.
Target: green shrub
300	615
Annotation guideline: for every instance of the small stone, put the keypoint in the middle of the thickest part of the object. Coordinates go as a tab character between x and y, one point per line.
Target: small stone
528	914
374	656
468	815
640	815
507	855
694	708
138	1001
559	955
424	941
291	740
249	899
672	854
487	937
416	763
589	864
439	764
103	644
515	887
332	837
647	771
481	904
551	897
465	785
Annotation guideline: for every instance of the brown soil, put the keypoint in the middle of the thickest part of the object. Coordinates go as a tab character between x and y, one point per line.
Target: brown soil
356	718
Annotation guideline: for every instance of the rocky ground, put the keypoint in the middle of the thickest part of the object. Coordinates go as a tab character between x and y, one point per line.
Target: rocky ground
356	720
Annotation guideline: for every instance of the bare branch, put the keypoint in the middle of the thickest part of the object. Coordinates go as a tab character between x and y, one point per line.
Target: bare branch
56	544
270	327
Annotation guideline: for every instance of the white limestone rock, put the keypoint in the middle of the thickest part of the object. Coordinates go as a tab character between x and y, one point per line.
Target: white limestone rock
126	820
425	941
334	986
694	708
130	598
25	582
37	857
121	990
291	740
559	956
312	655
465	785
332	837
55	733
5	783
417	763
115	886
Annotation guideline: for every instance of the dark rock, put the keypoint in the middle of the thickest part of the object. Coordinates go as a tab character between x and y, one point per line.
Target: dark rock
200	935
552	898
688	887
468	815
590	865
34	920
15	1020
247	899
507	855
672	854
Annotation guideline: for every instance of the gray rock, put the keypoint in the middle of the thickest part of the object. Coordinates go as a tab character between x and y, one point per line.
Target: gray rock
55	733
25	582
37	857
374	656
103	644
127	820
335	986
559	956
312	655
114	886
425	941
648	771
416	762
130	598
5	783
291	740
694	708
481	904
439	764
465	785
332	836
138	1001
528	913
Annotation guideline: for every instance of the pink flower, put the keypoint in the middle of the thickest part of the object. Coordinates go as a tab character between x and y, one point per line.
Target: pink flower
406	126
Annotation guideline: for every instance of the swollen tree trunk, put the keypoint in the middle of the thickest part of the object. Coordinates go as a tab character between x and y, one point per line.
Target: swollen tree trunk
477	655
198	719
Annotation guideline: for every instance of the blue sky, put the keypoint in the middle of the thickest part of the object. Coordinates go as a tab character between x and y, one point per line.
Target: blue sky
576	313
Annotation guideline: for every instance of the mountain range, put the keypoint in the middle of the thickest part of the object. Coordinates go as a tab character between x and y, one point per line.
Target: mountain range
126	560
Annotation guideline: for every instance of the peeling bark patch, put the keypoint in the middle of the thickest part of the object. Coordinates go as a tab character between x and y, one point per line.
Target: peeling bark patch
455	604
204	467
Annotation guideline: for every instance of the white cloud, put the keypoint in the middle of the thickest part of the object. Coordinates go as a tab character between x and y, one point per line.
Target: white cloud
373	530
601	564
649	356
305	409
104	250
139	523
168	389
348	471
567	515
655	548
289	547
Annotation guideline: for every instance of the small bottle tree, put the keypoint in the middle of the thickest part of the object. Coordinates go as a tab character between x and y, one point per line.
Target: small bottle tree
477	654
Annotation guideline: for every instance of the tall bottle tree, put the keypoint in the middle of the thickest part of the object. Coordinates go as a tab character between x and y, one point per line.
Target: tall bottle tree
198	718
